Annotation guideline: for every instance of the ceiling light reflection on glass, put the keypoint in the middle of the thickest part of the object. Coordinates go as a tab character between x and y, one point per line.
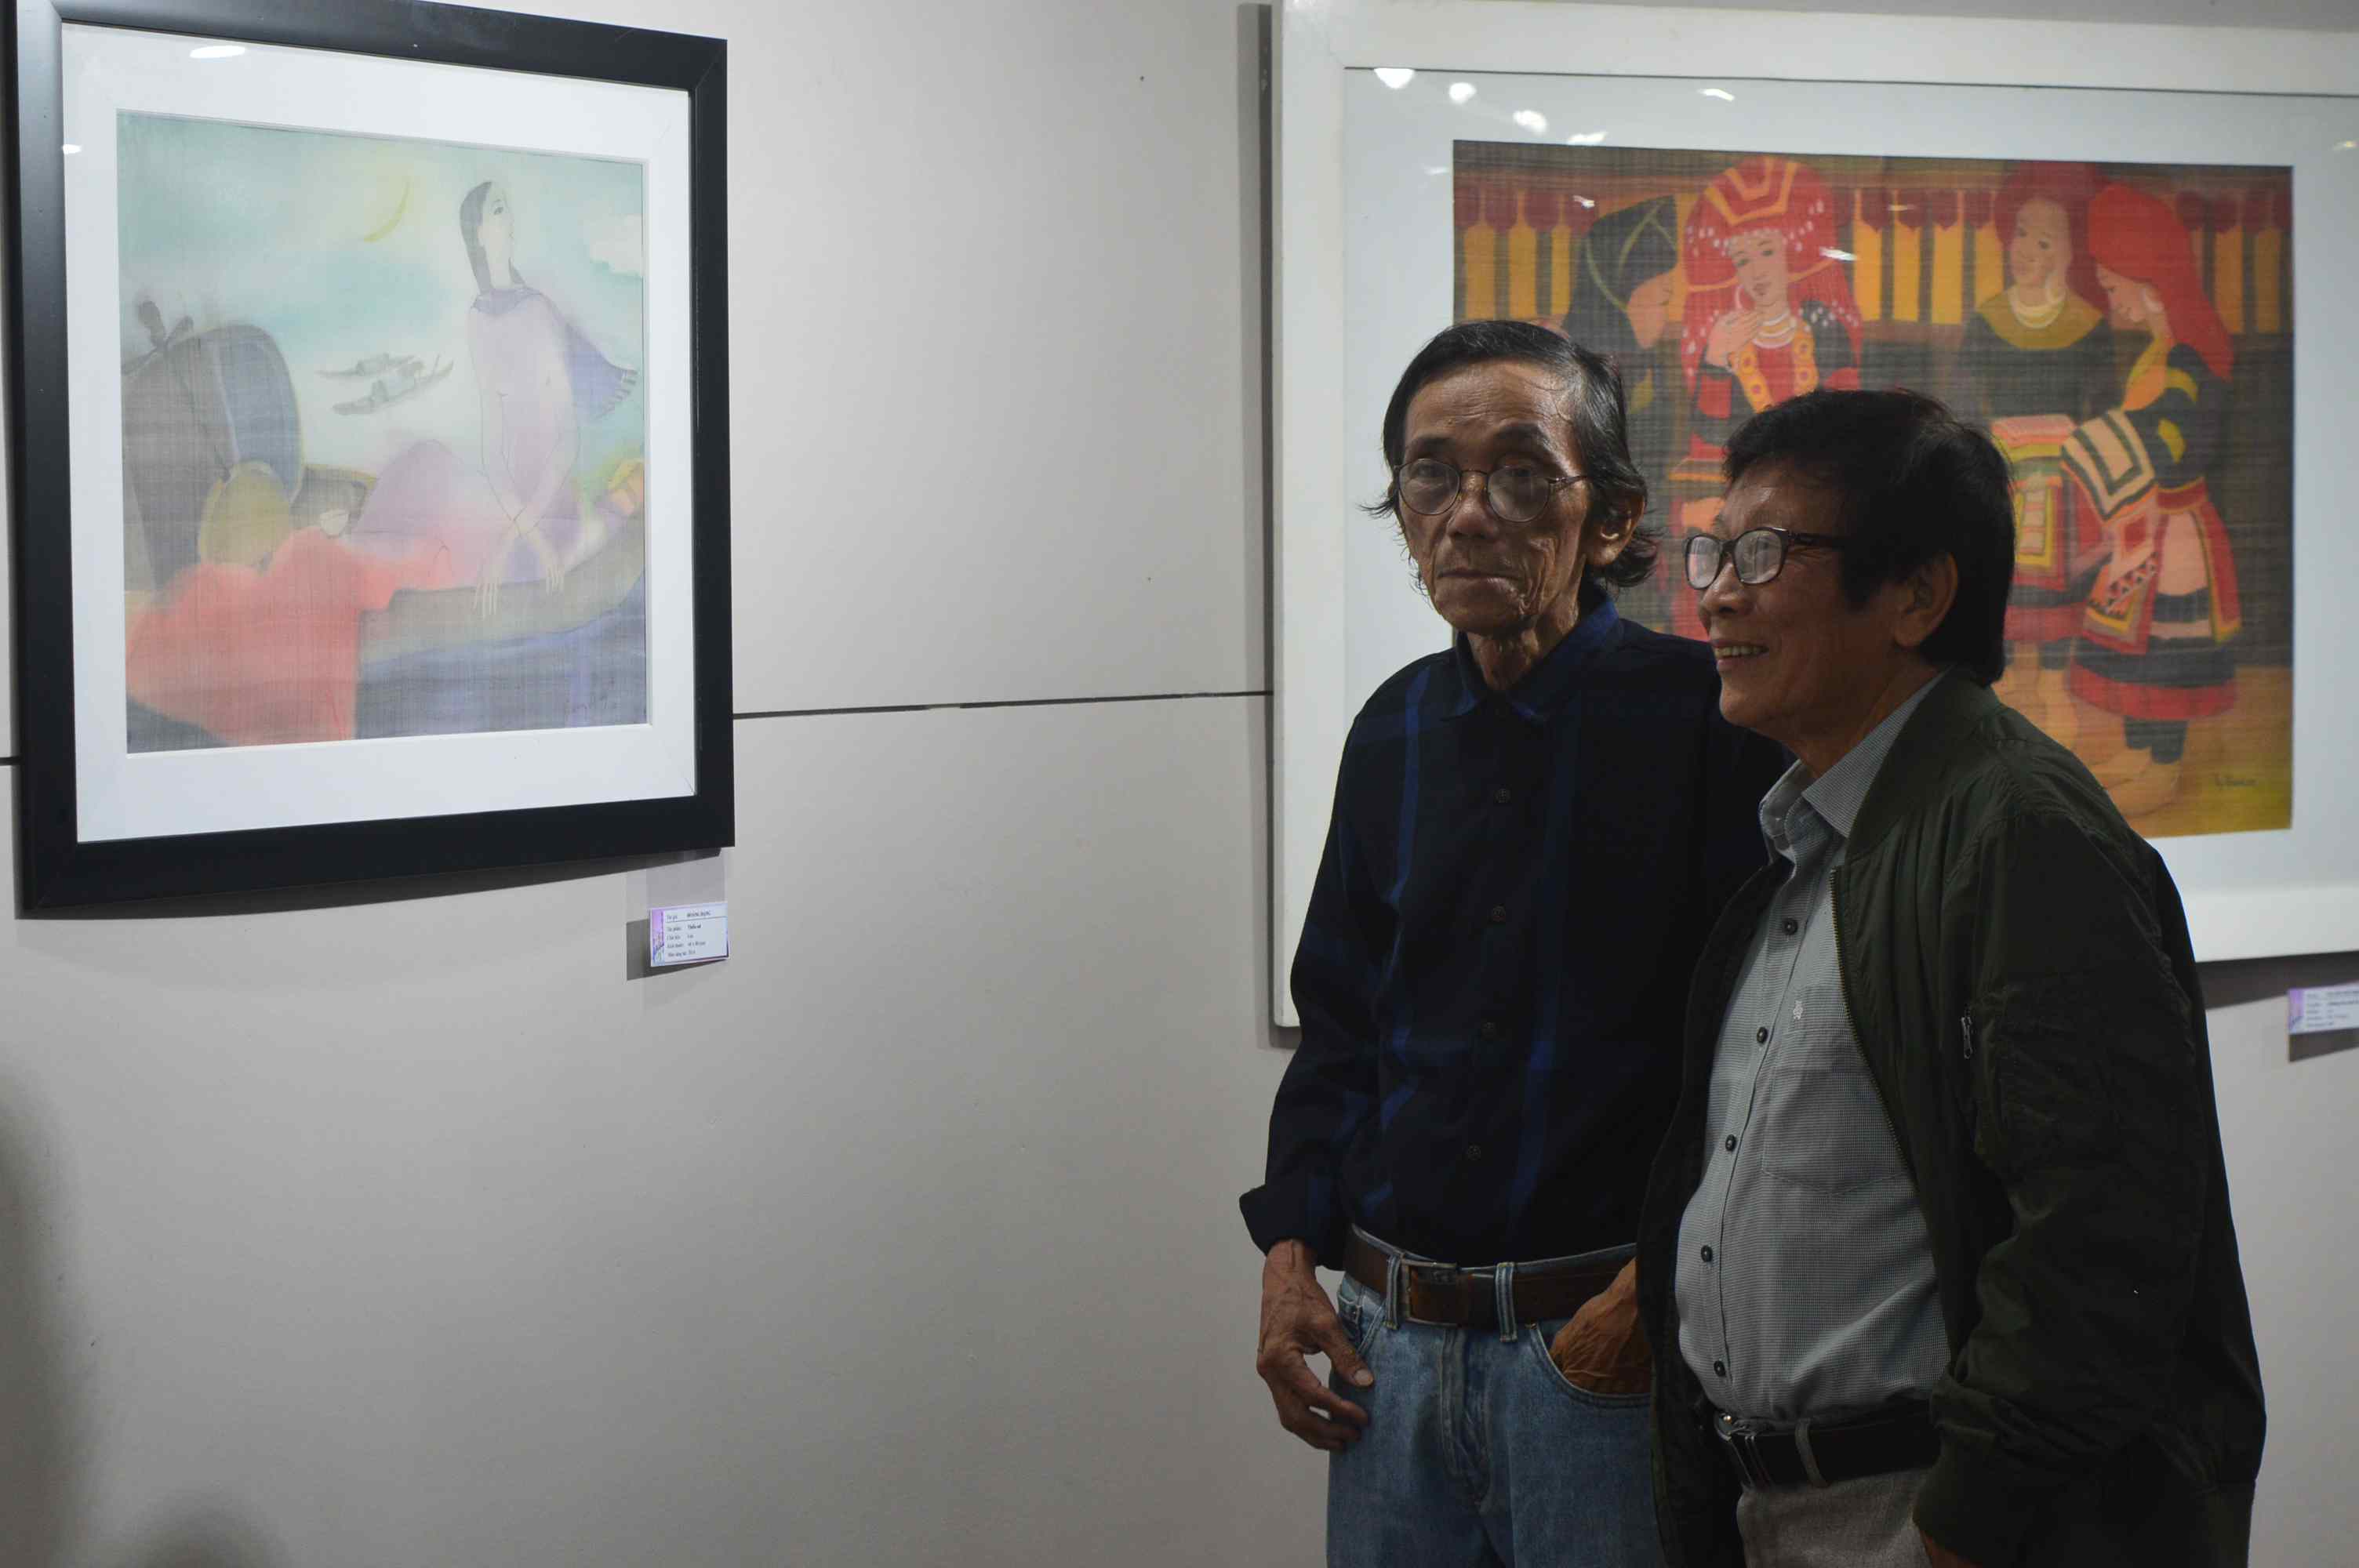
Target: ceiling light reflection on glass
1531	120
1395	75
1722	93
1584	138
1459	91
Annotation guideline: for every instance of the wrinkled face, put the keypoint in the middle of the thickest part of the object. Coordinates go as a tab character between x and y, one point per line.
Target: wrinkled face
1650	309
1488	577
496	232
1796	659
2129	302
1760	256
2042	246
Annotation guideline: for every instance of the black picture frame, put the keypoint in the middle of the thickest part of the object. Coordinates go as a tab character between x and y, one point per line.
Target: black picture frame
57	868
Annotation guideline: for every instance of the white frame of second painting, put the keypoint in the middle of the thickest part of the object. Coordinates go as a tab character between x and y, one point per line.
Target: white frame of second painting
2248	895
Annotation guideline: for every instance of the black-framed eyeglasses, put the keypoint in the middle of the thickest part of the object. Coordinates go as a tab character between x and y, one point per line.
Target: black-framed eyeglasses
1516	492
1759	554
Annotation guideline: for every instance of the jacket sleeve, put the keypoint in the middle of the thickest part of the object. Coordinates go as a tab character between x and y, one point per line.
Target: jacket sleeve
1330	1086
2090	1110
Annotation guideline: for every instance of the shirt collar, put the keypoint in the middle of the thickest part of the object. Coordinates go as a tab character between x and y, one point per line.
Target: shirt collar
1837	796
1549	685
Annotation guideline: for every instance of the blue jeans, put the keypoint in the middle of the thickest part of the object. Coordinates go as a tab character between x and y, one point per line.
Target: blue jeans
1478	1454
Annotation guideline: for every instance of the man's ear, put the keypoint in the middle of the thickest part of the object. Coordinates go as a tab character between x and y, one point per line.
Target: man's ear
1926	595
1609	536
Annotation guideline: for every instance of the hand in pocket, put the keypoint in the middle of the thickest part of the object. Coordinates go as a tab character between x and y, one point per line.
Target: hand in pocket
1603	1348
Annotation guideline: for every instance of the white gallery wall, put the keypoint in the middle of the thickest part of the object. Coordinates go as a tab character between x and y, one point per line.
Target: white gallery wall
411	1231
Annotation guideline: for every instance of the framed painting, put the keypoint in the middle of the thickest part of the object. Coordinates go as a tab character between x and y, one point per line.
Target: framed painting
2124	329
2097	258
370	449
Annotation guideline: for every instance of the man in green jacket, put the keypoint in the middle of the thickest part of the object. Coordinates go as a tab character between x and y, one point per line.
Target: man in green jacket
1937	1258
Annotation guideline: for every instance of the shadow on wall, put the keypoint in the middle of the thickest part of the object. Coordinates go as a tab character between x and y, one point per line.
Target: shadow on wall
38	1442
43	1435
203	1535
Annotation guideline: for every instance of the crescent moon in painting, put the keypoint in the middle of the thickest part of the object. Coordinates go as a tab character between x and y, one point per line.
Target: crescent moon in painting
388	227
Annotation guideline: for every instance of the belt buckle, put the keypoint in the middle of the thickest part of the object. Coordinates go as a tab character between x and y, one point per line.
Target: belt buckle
1447	1277
1736	1438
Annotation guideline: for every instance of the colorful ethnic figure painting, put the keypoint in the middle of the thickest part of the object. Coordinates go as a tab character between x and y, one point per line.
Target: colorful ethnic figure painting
2124	331
383	437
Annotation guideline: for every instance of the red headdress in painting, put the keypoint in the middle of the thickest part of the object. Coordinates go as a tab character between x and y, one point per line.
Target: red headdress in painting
2069	184
2141	238
1763	193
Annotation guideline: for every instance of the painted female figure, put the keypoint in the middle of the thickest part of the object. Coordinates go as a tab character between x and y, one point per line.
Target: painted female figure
2040	360
2154	633
516	515
1770	314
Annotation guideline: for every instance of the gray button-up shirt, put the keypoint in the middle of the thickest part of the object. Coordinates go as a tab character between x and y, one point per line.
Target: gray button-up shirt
1805	1283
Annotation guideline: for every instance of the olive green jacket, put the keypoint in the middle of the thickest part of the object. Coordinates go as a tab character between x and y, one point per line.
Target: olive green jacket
2018	974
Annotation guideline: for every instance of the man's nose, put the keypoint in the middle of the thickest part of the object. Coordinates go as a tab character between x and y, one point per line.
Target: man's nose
1470	509
1725	593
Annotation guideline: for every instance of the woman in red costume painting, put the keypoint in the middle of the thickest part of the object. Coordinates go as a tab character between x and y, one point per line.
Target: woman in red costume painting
2040	358
1769	310
2153	649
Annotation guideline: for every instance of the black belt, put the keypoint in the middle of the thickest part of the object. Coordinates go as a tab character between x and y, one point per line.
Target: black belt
1810	1454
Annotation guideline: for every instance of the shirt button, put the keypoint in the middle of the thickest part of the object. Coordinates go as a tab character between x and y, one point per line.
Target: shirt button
1791	926
1729	1143
1500	796
1707	1254
1474	1153
1489	1031
1761	1037
1720	1368
1498	915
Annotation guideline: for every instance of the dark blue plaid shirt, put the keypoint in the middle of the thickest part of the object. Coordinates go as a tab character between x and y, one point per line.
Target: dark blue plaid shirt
1493	972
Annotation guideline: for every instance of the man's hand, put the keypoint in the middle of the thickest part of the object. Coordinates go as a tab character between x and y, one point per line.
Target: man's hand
1941	1556
1296	1318
1603	1348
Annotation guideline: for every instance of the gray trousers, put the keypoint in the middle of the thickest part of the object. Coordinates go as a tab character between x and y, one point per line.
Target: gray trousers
1851	1524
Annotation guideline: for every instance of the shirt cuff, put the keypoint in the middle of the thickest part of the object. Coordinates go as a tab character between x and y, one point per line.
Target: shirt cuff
1299	1206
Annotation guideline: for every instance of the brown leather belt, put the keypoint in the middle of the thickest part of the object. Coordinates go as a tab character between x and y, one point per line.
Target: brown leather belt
1445	1295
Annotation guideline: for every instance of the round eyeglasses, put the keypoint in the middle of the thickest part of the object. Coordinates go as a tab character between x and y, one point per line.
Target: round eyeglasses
1514	493
1759	554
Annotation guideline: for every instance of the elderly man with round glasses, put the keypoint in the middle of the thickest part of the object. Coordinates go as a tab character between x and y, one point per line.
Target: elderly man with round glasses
1533	830
1936	1254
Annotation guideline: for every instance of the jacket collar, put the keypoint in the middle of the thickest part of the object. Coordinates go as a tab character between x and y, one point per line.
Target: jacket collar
1937	739
1544	692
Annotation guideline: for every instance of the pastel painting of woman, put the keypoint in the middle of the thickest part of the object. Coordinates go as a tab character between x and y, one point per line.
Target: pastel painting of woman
381	482
516	513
